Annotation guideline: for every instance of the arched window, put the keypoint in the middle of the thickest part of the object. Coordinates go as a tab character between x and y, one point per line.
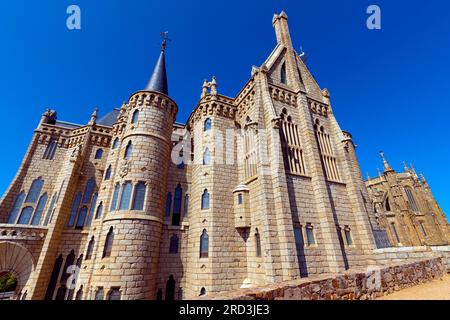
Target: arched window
115	197
139	196
168	203
81	218
50	209
422	227
298	233
411	199
114	294
348	235
50	151
135	117
39	210
186	205
126	196
79	294
206	157
387	205
70	259
173	247
177	205
90	248
89	190
108	173
115	143
170	289
108	243
25	216
16	208
128	150
283	74
394	231
100	294
202	292
258	243
310	234
35	190
74	209
99	212
92	209
205	199
99	154
207	124
204	244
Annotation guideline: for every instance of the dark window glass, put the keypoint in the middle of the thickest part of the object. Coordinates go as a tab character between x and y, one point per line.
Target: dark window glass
177	205
92	209
173	247
25	216
39	210
90	248
168	204
50	209
108	243
126	196
100	294
204	244
128	150
89	190
205	199
35	190
99	213
114	294
139	196
16	208
115	197
81	218
135	117
258	243
99	154
115	143
108	173
207	124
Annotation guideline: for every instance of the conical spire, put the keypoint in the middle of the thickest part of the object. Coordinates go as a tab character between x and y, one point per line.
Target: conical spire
386	165
158	81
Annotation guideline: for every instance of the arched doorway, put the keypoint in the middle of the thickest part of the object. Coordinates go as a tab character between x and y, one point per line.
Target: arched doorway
16	265
170	288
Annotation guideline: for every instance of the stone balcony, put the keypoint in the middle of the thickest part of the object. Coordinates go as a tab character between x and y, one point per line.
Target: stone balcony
22	232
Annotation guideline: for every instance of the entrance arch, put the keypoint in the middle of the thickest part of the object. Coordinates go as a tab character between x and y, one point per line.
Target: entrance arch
17	261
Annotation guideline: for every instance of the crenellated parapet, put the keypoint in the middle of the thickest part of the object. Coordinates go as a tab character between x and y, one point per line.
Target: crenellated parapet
152	99
318	107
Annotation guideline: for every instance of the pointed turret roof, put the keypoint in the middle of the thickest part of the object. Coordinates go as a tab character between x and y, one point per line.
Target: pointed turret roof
158	80
386	165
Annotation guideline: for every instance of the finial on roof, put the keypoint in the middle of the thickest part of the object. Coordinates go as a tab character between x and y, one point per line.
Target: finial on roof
386	165
158	80
94	116
405	167
379	173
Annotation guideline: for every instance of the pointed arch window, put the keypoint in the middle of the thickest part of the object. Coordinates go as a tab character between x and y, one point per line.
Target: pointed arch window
115	143
411	199
283	79
348	235
205	199
79	294
100	294
135	117
92	209
177	205
128	150
206	157
39	210
89	190
387	205
90	248
207	125
99	212
329	159
168	203
173	247
115	197
108	243
394	231
204	244
74	209
25	216
258	243
99	154
202	292
50	151
139	196
186	205
35	190
114	294
16	208
293	156
108	173
126	196
50	209
81	218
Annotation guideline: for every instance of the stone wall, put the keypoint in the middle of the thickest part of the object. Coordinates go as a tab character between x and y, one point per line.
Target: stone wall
351	285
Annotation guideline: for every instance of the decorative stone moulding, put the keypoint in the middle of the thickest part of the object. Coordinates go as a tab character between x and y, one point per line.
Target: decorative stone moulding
318	108
283	96
15	232
144	98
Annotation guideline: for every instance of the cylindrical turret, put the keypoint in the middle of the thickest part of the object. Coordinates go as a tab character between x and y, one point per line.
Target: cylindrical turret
128	251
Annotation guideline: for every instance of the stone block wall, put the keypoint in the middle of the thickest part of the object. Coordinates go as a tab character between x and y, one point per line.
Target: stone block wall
350	285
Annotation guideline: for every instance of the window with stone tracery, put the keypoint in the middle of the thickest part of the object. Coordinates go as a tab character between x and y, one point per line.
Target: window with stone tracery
328	157
291	145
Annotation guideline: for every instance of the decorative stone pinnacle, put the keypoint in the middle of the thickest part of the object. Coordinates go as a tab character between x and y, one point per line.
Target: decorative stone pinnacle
386	165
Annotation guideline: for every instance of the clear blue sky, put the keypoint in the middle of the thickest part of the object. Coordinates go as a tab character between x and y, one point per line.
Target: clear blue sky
389	88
